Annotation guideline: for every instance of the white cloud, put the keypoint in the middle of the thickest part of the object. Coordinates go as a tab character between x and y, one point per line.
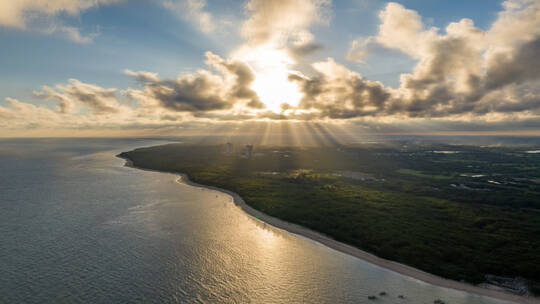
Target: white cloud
360	49
465	70
278	21
43	15
463	73
403	29
194	11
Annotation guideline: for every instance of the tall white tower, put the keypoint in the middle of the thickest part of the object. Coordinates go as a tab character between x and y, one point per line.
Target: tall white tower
249	151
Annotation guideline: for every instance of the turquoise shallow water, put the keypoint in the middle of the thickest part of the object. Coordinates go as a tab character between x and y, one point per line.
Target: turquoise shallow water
78	227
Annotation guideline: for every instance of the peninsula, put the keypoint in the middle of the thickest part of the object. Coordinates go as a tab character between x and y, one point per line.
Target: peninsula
469	214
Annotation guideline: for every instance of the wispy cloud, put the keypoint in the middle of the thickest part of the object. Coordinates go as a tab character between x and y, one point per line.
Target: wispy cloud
193	11
44	16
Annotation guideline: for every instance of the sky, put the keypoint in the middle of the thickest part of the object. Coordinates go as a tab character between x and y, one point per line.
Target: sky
176	67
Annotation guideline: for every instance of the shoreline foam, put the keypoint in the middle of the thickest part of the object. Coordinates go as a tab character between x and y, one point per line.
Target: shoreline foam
350	250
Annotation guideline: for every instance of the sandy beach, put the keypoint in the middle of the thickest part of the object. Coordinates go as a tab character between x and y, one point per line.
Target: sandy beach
327	241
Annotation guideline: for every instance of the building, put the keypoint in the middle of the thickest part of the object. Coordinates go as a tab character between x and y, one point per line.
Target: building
249	151
228	148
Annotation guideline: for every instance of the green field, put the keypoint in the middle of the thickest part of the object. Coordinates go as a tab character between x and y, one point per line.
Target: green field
413	215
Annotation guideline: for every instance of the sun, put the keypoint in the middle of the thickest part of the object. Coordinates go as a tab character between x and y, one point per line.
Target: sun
272	68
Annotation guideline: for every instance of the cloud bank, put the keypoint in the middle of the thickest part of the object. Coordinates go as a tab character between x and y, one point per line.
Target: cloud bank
464	70
463	73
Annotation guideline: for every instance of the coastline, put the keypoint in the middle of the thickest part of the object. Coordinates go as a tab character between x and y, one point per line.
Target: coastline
350	250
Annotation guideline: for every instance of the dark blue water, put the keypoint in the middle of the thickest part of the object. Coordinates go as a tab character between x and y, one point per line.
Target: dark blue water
76	226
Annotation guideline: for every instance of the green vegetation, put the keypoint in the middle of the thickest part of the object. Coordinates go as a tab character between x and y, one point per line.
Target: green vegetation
441	213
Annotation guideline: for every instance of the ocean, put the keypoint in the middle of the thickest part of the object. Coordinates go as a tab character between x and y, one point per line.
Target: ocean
77	226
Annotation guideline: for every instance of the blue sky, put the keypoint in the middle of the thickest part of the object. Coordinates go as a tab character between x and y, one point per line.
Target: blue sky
143	35
118	65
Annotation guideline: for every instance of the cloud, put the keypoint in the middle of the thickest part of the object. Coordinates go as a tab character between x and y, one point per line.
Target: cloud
277	38
201	91
336	92
360	49
403	29
463	74
304	49
243	79
465	70
193	11
518	66
21	115
83	108
43	15
276	22
99	100
73	33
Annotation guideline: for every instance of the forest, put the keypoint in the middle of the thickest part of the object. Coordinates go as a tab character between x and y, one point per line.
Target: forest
460	212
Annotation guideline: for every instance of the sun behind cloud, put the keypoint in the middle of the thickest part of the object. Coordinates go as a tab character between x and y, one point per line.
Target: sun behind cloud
271	67
282	66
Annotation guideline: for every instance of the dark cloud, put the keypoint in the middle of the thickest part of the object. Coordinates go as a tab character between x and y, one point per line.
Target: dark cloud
518	67
304	49
244	77
338	93
202	91
187	94
466	71
463	71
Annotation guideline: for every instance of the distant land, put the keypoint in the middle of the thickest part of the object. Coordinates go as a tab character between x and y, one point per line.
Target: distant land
463	212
